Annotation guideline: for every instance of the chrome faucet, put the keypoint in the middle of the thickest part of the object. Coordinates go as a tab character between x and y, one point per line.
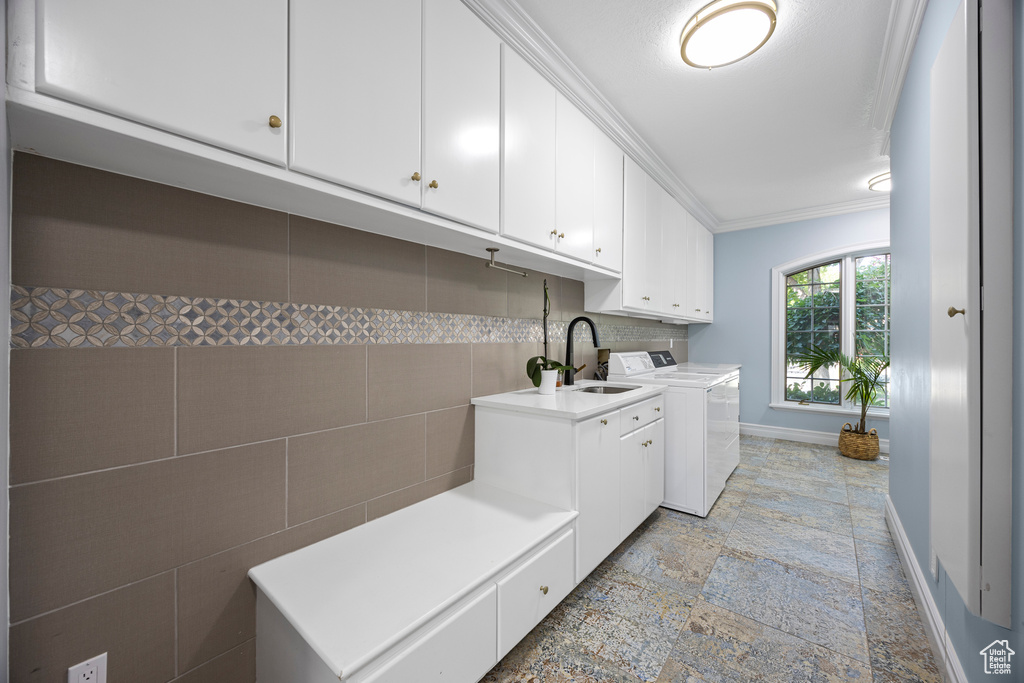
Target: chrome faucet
570	374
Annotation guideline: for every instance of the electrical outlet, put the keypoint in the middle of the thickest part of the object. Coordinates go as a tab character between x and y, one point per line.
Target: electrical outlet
90	671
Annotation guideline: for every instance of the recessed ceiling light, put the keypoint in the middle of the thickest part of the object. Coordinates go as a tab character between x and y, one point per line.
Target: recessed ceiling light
726	31
881	183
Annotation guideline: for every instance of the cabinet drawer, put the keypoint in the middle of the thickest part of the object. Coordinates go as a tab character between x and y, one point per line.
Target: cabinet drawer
460	649
641	414
522	602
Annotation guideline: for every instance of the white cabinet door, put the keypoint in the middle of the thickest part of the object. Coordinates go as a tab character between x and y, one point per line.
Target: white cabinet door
654	275
701	258
211	71
632	482
574	181
709	277
607	203
354	94
654	466
673	254
528	181
461	115
694	267
597	527
634	236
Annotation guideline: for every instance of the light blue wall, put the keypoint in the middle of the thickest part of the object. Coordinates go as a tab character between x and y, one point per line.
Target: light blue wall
741	332
909	439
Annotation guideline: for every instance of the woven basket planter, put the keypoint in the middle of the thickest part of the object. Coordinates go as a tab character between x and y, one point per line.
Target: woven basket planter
858	446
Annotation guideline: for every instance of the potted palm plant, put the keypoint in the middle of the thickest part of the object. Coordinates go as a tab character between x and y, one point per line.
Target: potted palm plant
863	376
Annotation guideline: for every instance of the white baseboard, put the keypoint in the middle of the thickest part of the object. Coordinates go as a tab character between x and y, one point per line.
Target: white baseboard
801	435
931	617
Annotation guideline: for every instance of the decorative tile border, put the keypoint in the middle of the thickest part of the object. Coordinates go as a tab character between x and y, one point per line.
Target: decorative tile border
45	317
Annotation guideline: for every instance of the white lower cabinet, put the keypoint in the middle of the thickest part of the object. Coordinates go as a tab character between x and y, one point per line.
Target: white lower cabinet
459	649
641	463
597	529
527	594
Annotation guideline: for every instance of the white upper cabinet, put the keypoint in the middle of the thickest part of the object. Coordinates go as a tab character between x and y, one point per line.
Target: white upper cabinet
607	204
528	181
674	257
709	275
461	115
634	243
574	181
654	261
355	83
211	71
694	266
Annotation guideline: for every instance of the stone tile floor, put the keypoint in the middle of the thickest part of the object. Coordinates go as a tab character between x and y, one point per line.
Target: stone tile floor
791	577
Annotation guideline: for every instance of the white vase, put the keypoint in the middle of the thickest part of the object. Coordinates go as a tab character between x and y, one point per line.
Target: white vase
548	382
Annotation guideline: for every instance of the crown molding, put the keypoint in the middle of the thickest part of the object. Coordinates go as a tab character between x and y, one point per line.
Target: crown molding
855	206
905	18
521	32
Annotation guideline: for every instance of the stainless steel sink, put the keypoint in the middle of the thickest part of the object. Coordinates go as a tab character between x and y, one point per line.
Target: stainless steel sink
605	390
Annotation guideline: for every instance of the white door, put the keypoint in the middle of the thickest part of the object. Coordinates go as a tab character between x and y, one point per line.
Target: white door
355	94
607	203
211	71
634	236
673	254
574	181
528	137
970	334
461	115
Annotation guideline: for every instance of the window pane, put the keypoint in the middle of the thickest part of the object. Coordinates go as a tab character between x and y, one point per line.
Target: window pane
827	341
825	392
826	318
799	297
827	273
872	318
826	295
813	315
872	344
798	343
873	267
798	389
800	319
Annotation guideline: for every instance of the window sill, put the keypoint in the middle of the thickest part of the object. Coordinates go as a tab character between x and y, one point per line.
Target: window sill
873	413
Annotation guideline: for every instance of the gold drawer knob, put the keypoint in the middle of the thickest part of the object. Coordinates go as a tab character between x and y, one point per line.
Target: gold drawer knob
636	417
953	311
544	590
433	184
657	409
416	176
275	122
598	250
604	422
561	235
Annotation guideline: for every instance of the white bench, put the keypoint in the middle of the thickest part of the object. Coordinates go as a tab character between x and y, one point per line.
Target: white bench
438	591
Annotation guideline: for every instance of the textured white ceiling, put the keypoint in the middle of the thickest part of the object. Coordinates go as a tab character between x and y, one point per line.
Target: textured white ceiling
784	130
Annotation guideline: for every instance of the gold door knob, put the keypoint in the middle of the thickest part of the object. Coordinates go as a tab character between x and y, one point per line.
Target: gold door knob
953	311
416	176
598	250
275	122
433	184
544	590
604	422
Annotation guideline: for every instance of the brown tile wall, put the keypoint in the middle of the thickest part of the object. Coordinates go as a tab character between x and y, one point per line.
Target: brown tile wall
146	482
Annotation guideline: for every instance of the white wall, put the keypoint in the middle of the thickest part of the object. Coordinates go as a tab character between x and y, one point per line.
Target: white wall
741	332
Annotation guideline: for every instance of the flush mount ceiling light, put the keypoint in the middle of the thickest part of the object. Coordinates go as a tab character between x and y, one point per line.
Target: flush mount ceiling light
881	183
727	31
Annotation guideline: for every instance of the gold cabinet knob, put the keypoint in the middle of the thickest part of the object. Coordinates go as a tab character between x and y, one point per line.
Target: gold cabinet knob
636	417
433	184
416	176
554	232
953	311
675	305
544	590
646	298
657	409
598	250
561	235
697	310
275	122
604	422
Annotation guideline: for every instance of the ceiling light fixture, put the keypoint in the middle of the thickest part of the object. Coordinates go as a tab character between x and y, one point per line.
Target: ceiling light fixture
881	183
727	31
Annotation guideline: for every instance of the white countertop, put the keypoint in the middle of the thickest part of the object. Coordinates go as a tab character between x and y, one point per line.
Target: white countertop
566	403
354	595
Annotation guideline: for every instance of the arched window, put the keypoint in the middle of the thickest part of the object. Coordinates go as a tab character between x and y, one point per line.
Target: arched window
835	301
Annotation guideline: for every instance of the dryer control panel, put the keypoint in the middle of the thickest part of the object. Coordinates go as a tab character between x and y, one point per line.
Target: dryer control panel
630	363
